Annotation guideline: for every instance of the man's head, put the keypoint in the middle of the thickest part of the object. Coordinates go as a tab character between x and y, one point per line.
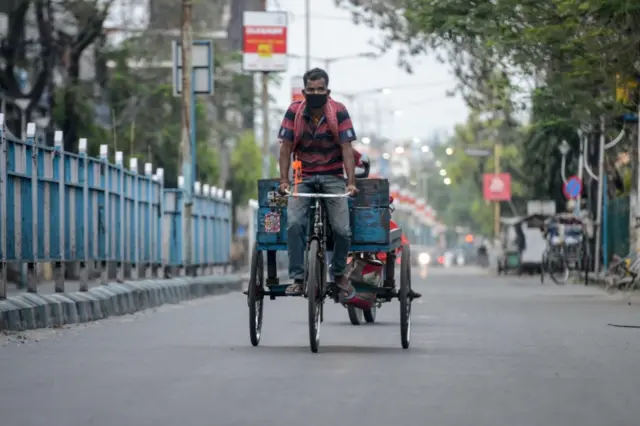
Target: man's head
316	87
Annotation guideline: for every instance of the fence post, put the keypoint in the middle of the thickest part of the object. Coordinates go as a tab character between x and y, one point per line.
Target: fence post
181	264
159	258
196	231
120	259
106	215
149	237
84	264
60	268
228	229
32	267
206	231
135	193
3	209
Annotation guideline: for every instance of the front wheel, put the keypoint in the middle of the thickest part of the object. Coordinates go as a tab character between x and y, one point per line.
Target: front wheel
404	296
314	293
255	296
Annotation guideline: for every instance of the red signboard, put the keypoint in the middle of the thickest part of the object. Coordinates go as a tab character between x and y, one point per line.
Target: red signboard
265	41
496	187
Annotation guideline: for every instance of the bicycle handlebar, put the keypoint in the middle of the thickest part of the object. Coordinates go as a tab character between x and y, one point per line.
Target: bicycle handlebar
316	195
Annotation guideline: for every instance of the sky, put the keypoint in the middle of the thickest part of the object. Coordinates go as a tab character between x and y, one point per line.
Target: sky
416	106
421	106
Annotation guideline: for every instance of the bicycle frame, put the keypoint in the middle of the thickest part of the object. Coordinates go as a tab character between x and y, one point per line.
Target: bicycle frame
318	229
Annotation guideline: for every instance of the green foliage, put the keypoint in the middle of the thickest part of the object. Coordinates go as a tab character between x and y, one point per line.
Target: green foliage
570	52
246	169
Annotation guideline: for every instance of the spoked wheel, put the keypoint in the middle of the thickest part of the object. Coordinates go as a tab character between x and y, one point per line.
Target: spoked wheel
586	264
404	296
370	314
314	293
360	316
559	270
356	316
255	296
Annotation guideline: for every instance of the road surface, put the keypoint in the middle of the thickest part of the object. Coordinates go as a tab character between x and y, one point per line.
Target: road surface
486	351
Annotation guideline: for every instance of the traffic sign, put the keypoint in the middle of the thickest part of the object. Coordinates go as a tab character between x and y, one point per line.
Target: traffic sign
478	152
496	187
572	187
202	66
265	41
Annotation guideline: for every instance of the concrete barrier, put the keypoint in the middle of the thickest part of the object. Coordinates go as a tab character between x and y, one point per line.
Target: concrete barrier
31	310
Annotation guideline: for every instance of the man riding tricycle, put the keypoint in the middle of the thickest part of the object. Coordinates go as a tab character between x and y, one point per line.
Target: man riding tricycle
324	213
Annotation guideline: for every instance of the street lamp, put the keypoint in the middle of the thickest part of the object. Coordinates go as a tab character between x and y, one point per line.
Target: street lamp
449	151
399	150
386	155
366	140
425	148
447	181
443	172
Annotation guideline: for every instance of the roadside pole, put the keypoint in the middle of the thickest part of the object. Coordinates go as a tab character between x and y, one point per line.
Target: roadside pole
266	136
193	68
307	29
637	203
497	151
601	179
186	38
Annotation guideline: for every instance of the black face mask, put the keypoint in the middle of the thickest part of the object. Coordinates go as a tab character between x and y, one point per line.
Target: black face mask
316	100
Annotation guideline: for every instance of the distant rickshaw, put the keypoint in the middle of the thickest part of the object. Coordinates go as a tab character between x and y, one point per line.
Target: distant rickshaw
567	248
521	244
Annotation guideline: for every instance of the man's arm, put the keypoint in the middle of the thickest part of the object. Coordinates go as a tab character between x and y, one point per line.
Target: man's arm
349	163
346	135
285	159
286	135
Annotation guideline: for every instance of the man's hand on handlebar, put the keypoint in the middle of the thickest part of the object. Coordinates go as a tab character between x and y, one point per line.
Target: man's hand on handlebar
352	190
283	189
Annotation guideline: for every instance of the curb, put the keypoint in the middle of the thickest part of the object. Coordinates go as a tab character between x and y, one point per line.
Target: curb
31	310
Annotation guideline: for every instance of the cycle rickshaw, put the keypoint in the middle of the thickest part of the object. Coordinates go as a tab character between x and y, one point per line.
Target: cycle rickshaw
370	218
567	248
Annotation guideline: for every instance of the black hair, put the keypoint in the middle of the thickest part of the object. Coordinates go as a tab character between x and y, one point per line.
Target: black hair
315	74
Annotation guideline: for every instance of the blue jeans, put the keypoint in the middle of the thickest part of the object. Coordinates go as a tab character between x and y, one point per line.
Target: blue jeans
298	219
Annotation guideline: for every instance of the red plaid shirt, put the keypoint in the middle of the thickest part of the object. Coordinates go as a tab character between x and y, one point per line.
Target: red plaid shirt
317	149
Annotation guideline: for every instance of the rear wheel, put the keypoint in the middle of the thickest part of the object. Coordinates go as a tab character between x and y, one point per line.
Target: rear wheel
314	293
404	296
255	296
559	269
370	314
356	316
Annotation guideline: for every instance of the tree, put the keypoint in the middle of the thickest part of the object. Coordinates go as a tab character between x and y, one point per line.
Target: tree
572	52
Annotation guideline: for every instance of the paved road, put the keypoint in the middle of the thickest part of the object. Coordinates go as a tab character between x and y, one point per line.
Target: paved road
486	352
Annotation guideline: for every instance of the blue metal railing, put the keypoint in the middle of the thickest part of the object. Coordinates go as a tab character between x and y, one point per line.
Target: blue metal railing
63	208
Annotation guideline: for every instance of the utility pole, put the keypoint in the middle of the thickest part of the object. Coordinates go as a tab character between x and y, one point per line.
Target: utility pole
307	26
601	179
636	223
186	42
496	207
266	137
